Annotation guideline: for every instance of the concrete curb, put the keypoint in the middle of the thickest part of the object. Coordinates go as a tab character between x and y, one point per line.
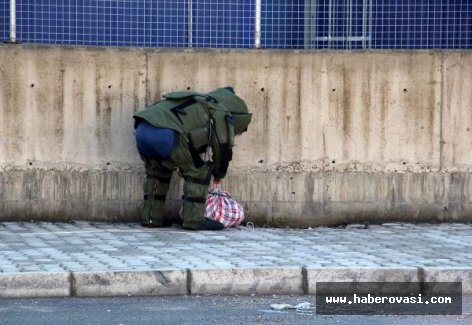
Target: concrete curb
240	281
34	285
450	274
360	274
154	283
247	281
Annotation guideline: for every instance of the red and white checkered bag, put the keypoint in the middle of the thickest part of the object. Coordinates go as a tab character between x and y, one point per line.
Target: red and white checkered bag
221	207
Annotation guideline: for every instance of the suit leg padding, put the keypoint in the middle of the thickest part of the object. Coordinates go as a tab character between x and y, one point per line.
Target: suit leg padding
197	181
153	210
194	204
156	186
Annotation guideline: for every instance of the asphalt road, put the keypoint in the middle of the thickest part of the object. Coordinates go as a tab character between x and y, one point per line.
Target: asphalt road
193	310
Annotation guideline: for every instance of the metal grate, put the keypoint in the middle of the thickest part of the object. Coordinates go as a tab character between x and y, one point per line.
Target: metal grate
103	22
282	24
4	20
422	24
217	23
380	24
296	24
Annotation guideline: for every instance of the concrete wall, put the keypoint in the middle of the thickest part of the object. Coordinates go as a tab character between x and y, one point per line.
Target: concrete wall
336	137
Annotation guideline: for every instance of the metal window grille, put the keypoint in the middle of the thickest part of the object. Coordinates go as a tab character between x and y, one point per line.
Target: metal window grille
339	25
295	24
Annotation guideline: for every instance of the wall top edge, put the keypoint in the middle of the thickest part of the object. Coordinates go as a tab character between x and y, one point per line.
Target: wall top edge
224	50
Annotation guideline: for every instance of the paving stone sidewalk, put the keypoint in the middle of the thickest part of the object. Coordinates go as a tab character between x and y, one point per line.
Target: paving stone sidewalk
100	259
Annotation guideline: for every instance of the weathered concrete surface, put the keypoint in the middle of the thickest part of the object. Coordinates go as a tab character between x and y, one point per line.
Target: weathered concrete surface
329	198
457	274
457	117
335	137
247	281
71	107
31	285
295	199
361	274
107	284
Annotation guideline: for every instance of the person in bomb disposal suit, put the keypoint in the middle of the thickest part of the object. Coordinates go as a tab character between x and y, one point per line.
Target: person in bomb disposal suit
173	133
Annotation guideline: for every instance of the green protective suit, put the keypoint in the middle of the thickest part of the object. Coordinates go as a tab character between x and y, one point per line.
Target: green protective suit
202	121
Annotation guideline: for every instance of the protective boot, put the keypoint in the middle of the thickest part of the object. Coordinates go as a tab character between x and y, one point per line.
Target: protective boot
155	191
210	224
